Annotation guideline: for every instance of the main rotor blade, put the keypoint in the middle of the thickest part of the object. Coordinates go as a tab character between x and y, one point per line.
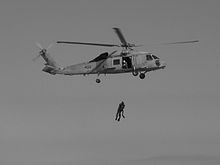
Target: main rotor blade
88	43
182	42
120	35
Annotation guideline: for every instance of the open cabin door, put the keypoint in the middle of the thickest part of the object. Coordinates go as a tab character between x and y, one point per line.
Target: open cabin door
127	62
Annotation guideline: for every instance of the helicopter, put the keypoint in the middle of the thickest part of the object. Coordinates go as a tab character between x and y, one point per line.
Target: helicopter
127	60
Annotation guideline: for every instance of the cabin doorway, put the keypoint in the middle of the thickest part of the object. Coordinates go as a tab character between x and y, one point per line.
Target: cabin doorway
126	62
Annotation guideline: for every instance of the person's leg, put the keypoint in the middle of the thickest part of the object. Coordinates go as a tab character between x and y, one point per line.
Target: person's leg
119	116
122	113
116	116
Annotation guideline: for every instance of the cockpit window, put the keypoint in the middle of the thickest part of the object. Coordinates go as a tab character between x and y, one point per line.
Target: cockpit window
155	57
149	57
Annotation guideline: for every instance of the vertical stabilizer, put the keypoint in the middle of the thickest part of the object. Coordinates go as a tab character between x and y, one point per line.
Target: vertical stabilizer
49	60
46	56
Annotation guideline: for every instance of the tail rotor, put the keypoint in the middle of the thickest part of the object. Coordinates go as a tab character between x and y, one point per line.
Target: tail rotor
42	51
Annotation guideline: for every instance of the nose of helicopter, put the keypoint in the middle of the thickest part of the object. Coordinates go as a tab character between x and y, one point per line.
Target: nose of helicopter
163	64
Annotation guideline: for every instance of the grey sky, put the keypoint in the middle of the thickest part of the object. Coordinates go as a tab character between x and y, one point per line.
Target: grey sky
171	116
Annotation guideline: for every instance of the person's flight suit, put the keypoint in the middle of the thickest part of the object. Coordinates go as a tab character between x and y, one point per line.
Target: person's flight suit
120	111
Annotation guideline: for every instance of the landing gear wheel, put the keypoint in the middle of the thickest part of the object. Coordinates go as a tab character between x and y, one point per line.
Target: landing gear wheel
142	76
98	80
135	73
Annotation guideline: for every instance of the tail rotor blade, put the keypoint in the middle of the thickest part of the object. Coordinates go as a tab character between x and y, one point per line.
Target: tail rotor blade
49	46
42	50
39	45
35	58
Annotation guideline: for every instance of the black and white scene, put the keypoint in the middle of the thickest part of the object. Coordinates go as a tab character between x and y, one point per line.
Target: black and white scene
109	82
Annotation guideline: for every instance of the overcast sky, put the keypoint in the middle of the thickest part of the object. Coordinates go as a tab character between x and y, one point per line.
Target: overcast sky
172	116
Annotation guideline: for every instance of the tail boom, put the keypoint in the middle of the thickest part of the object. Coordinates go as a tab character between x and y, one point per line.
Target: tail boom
49	69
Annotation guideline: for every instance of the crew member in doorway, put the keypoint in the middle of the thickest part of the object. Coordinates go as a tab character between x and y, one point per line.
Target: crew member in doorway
124	64
120	111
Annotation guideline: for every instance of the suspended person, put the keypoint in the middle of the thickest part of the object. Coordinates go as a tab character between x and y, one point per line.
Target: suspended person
120	111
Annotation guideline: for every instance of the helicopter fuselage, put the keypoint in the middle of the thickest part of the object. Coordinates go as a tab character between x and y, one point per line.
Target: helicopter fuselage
135	62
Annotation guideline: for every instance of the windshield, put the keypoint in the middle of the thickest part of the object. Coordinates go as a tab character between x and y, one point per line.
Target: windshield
149	57
155	57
